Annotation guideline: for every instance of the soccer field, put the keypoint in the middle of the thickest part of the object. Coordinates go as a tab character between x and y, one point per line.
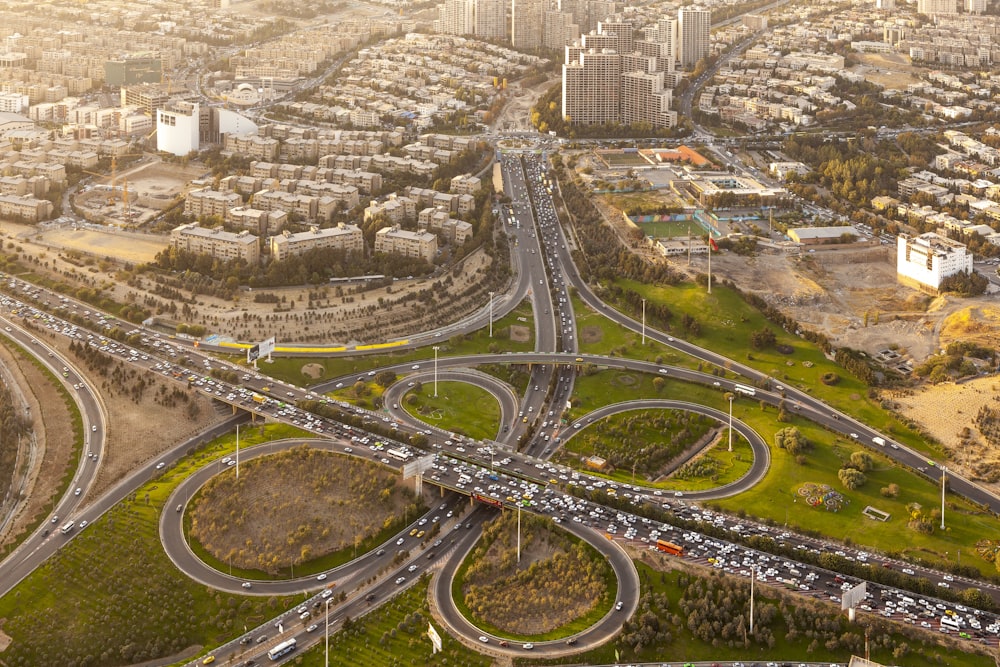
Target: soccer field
667	230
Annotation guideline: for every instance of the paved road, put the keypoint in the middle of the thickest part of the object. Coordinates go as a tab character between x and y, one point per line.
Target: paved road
604	630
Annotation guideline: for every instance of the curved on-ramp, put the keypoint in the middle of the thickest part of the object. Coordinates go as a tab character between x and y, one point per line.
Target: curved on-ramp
601	632
761	452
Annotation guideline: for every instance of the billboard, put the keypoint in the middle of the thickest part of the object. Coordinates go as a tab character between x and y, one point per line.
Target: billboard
418	466
434	637
261	349
853	597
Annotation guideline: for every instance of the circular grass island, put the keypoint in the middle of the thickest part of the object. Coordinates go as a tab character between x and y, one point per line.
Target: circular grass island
561	586
297	512
459	407
663	447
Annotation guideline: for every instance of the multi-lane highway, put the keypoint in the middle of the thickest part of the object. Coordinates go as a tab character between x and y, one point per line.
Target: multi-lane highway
546	274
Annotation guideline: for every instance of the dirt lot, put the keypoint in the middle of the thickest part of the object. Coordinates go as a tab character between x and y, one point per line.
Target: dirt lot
834	291
892	70
125	246
140	426
944	410
53	436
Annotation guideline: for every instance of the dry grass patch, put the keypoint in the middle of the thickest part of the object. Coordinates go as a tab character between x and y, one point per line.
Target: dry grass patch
293	507
556	582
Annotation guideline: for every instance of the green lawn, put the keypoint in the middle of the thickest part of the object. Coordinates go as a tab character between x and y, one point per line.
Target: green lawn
599	335
393	635
289	369
112	594
660	611
459	407
725	323
775	499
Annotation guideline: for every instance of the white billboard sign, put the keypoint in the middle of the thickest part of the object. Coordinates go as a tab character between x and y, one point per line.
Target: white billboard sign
434	637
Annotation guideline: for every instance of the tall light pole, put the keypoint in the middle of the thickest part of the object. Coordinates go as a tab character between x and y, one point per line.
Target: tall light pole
730	396
237	451
944	473
643	321
326	638
753	575
435	348
491	313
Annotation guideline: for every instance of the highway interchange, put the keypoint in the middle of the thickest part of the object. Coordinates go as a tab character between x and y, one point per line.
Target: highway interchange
545	273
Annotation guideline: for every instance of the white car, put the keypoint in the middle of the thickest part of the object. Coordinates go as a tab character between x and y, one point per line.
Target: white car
160	465
321	577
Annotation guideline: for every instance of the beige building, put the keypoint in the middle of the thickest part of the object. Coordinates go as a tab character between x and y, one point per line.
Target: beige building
466	184
206	201
396	241
217	243
342	237
265	223
26	208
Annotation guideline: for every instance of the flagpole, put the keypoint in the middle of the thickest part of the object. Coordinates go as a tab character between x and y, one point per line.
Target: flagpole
689	245
710	262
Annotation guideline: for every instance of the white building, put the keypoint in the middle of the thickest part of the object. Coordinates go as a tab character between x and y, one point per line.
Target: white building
177	128
924	261
13	103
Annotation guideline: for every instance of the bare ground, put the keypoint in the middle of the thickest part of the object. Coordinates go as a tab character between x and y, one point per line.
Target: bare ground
322	314
139	427
54	438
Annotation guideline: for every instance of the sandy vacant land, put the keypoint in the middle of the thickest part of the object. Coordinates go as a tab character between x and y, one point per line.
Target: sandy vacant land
123	246
852	297
891	70
945	410
53	437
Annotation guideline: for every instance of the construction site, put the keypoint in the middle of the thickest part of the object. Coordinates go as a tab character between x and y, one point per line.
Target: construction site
131	196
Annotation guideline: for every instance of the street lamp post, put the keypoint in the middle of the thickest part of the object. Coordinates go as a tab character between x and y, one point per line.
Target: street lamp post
944	473
730	397
436	348
643	321
491	313
326	637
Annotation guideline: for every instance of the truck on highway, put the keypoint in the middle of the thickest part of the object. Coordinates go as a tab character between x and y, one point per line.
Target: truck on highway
879	440
67	527
257	398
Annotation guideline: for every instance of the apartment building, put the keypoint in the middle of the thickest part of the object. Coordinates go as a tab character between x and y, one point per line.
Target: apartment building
348	238
264	223
25	207
693	27
206	201
395	241
217	243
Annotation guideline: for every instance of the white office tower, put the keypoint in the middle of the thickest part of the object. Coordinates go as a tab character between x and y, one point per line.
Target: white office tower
526	24
455	17
489	19
975	6
590	87
693	27
935	7
178	128
885	5
924	261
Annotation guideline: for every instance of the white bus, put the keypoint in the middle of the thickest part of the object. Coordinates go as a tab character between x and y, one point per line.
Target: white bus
68	527
398	454
282	649
950	623
744	389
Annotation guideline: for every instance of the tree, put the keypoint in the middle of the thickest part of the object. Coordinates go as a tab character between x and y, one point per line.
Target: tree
861	461
851	478
791	440
385	378
762	338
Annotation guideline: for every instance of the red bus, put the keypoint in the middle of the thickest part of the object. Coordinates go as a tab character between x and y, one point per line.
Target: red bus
670	548
487	500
